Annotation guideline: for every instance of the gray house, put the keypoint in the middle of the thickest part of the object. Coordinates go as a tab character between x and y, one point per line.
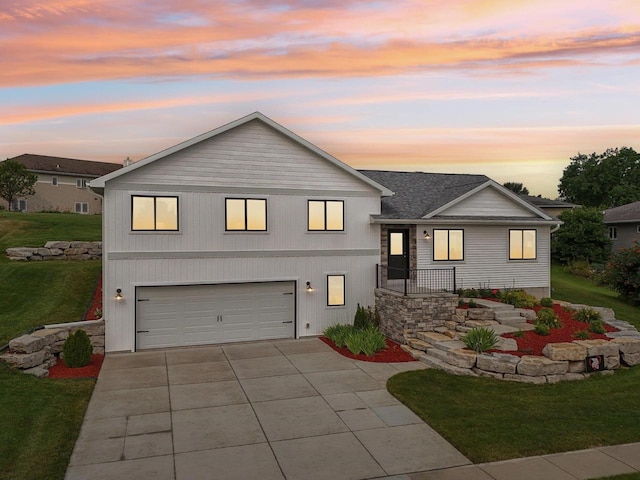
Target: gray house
624	225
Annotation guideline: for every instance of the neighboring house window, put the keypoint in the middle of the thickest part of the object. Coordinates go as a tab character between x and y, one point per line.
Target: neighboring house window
54	181
325	215
638	229
335	290
82	207
81	183
151	213
19	205
448	245
246	214
522	244
613	233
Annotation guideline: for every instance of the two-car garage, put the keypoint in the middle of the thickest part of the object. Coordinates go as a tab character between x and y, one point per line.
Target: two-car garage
182	315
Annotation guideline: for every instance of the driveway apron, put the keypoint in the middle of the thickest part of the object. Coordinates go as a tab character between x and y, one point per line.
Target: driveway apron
291	409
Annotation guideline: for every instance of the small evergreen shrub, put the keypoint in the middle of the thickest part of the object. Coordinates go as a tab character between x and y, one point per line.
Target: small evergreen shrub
460	302
374	317
546	302
471	293
581	335
587	315
77	349
361	319
517	298
546	316
480	339
597	326
541	329
368	341
472	303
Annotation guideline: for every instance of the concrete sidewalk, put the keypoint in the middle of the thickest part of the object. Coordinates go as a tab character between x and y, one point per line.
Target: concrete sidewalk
291	409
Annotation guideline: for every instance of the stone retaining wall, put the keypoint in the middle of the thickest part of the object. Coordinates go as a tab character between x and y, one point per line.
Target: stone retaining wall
36	352
402	317
57	250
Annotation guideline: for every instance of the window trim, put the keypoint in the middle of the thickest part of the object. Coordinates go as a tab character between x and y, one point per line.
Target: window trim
54	181
325	229
82	210
614	231
81	183
449	230
637	228
344	289
177	229
15	207
535	230
246	229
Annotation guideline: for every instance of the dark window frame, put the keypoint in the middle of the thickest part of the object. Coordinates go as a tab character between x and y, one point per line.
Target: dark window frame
246	229
613	233
84	207
81	183
177	229
54	181
522	246
448	230
325	229
344	289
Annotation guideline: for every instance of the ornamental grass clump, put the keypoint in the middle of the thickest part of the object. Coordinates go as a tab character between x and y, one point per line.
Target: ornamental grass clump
587	315
77	349
367	341
337	333
480	339
597	326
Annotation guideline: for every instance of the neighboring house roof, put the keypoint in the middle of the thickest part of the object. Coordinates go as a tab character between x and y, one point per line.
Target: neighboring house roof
629	213
421	196
61	165
547	202
100	182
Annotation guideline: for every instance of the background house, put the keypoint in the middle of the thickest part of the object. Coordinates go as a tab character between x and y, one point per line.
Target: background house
62	184
624	225
552	208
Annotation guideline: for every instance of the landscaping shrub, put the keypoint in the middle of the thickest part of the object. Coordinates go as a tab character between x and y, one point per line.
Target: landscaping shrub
541	329
581	335
368	341
480	339
337	333
580	268
517	298
374	316
471	293
546	302
597	326
623	272
361	319
460	302
587	315
472	304
546	316
77	349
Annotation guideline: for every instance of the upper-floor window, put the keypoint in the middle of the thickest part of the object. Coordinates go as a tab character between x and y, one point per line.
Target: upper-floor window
325	215
613	233
246	214
522	244
81	183
335	290
154	213
54	181
82	207
448	244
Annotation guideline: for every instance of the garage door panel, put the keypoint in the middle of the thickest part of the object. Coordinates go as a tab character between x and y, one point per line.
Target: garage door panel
202	314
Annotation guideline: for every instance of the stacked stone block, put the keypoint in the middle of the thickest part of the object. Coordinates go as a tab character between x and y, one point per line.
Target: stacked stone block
56	250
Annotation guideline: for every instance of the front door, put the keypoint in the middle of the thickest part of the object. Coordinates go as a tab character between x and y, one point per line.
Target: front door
398	255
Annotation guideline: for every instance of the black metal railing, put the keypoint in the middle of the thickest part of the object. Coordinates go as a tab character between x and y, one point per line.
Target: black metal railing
416	280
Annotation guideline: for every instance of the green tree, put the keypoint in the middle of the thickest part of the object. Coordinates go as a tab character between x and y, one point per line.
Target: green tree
15	181
582	237
515	187
602	180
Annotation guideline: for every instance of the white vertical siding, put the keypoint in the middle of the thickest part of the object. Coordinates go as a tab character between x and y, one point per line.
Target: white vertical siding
488	202
486	259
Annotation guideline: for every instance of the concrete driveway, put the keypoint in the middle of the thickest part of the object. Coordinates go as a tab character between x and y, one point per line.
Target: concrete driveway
291	409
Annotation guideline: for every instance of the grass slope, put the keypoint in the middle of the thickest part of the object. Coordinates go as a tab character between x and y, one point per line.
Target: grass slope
490	420
40	418
574	289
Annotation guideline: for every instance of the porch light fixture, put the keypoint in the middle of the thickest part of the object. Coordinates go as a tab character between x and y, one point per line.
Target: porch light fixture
426	235
118	294
309	287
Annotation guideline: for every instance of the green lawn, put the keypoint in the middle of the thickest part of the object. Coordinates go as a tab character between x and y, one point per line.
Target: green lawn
40	418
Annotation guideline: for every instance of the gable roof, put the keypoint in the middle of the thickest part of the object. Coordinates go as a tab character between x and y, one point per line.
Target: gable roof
62	165
542	202
421	196
629	213
100	182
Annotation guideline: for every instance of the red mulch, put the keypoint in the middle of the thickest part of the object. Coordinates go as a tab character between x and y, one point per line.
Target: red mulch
60	370
392	354
532	343
96	301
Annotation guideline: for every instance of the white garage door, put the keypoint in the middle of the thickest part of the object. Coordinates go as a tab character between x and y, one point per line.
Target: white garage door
201	314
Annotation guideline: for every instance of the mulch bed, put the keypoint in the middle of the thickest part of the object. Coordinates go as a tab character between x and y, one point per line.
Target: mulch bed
60	370
96	302
532	343
392	354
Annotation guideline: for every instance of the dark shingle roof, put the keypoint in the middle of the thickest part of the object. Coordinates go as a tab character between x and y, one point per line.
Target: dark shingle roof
417	193
547	202
624	213
72	166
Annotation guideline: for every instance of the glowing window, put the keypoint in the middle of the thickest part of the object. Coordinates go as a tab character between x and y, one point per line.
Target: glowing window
335	290
448	245
246	214
522	244
325	215
154	213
